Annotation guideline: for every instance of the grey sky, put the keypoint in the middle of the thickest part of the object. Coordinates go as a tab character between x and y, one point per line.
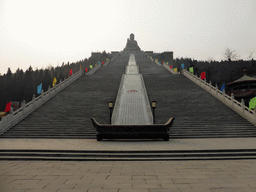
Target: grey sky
48	32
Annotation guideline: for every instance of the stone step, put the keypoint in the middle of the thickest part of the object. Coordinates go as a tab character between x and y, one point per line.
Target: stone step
66	155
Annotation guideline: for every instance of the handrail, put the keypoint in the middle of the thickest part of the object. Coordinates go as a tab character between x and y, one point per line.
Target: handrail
26	109
229	101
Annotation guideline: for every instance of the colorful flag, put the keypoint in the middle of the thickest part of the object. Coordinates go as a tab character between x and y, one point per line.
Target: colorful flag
54	82
182	66
156	59
39	89
8	107
175	69
90	66
106	59
98	62
252	103
102	62
86	69
191	69
203	75
167	63
80	67
223	87
95	64
170	66
70	72
162	62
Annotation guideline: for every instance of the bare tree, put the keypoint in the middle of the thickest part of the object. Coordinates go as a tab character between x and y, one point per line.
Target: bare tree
230	55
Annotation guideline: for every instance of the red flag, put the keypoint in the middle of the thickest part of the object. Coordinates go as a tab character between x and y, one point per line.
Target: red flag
203	75
102	62
70	72
162	62
86	70
8	107
170	66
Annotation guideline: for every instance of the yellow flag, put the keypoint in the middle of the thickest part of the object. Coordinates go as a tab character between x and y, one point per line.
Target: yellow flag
90	66
175	69
54	82
107	59
95	64
80	67
156	59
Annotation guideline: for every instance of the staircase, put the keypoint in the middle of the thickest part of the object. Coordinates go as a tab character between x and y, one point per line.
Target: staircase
67	115
197	113
163	155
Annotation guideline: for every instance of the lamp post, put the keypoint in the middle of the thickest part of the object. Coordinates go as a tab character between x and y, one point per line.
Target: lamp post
153	106
110	106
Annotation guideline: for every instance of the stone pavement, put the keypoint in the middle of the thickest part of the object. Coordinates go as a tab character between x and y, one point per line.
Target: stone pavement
131	176
152	145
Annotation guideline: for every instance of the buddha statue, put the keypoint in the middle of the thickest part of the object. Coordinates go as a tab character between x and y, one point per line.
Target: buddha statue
131	44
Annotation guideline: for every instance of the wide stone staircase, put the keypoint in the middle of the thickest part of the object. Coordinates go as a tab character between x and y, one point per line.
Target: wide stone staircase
67	115
197	113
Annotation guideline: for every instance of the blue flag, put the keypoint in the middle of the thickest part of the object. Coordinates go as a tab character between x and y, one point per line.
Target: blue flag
98	62
223	87
39	89
182	65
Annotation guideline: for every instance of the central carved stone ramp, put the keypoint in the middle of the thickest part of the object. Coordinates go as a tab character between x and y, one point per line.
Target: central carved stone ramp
132	105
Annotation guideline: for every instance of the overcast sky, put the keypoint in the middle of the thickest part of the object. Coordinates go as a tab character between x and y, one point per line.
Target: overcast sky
48	32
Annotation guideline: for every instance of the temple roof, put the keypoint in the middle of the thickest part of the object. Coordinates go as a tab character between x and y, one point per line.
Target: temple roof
244	78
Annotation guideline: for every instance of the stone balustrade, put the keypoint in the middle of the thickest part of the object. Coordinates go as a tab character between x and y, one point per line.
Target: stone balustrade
26	109
239	107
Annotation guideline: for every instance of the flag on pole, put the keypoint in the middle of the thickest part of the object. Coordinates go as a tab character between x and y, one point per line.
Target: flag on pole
95	64
223	87
54	82
102	62
80	67
39	89
90	66
175	69
70	72
170	66
8	107
203	75
191	69
167	63
156	59
162	62
86	69
98	62
182	66
252	103
106	59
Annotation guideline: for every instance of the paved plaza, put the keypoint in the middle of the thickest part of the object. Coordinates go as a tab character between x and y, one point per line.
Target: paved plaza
128	176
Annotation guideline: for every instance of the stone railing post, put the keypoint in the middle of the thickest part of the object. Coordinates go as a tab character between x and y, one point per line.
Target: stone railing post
11	115
210	86
232	99
223	94
205	83
23	105
242	102
33	101
216	89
